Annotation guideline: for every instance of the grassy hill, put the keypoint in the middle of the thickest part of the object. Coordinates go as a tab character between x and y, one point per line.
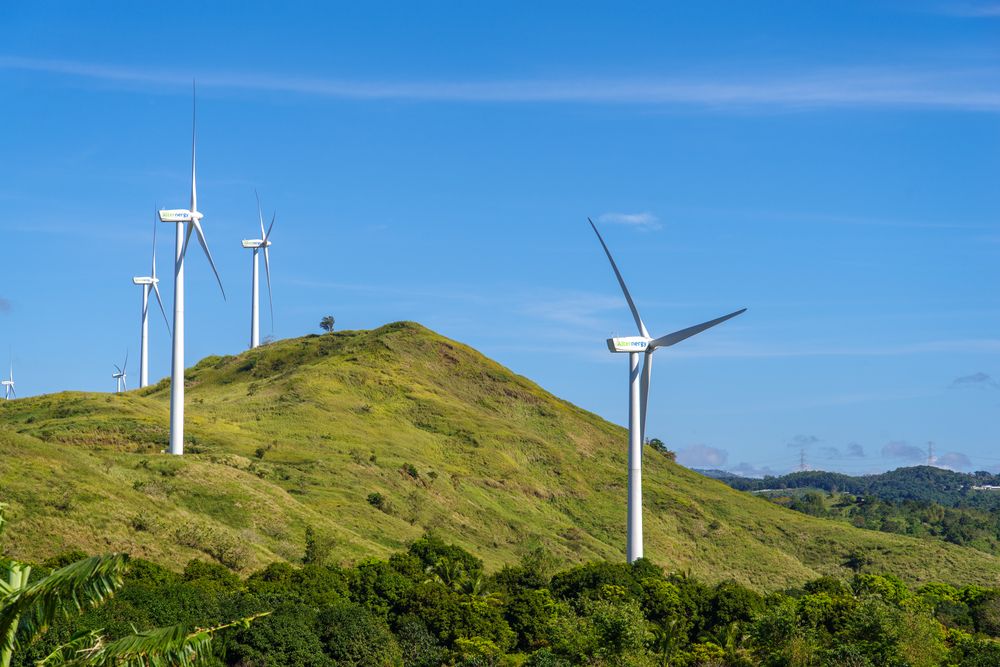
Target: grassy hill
373	437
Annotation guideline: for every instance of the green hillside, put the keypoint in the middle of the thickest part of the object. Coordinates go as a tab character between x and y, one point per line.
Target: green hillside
373	437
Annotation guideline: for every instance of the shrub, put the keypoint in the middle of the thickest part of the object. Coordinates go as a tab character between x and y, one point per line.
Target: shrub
353	636
379	502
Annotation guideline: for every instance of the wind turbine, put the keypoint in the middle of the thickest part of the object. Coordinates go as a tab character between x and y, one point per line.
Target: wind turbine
148	283
638	394
257	245
8	384
119	377
187	221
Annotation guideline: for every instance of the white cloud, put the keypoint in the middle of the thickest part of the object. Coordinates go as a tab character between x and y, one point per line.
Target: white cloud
953	461
745	469
802	441
702	456
903	450
855	449
645	220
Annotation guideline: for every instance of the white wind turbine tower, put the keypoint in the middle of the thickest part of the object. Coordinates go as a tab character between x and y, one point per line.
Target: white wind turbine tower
149	283
187	221
120	375
638	395
257	245
8	384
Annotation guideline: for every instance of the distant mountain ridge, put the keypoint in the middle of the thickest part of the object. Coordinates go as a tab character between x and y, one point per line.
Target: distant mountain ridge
916	483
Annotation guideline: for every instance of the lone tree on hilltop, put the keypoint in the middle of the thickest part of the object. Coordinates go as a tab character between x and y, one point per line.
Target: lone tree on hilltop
326	324
657	445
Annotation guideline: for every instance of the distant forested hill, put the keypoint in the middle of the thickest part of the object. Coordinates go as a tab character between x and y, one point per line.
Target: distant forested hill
922	501
919	483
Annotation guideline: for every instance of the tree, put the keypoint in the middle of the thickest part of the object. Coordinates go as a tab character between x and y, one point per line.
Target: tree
326	324
657	445
353	636
28	608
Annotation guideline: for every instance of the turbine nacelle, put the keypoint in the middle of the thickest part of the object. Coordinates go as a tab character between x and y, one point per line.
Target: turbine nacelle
255	243
180	215
144	280
629	344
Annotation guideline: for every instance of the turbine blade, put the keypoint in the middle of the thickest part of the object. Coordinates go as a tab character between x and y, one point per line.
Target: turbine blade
187	237
267	235
194	125
116	368
208	253
267	269
621	281
126	362
270	297
678	336
153	274
156	290
260	214
647	373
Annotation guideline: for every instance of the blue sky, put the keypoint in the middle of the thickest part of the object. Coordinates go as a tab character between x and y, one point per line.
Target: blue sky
831	166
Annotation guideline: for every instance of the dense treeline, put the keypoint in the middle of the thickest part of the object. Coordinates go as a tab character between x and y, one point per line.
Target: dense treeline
434	605
979	529
920	484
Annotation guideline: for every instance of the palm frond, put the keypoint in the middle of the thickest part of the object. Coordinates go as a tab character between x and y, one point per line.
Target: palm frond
71	650
75	587
178	645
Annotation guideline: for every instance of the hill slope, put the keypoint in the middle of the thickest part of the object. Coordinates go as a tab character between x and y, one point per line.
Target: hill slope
305	431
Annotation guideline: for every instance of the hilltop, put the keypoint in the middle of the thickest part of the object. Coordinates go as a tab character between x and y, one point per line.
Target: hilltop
374	437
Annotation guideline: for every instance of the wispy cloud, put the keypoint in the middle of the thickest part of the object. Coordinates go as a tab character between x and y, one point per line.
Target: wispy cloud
4	305
979	380
575	309
899	449
644	221
971	89
953	461
855	450
734	350
750	470
701	456
802	441
971	9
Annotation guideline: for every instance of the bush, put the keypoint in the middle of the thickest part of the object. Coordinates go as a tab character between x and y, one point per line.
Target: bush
353	637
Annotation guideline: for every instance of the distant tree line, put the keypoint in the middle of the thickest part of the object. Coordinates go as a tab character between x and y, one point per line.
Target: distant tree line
918	483
921	501
434	604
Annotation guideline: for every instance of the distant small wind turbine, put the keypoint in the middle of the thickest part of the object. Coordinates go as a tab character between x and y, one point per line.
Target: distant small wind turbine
638	395
8	384
187	221
120	375
148	283
256	245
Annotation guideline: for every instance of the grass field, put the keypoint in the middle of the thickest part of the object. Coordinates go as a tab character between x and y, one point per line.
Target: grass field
373	437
